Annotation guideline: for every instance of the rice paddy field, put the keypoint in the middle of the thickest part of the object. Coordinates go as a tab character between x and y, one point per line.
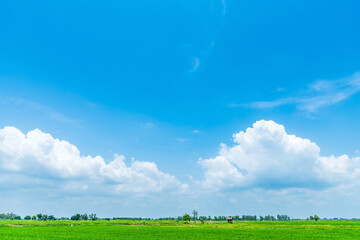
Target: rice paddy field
121	229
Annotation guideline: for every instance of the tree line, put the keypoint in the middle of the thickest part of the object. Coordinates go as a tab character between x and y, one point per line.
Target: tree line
237	217
11	216
186	217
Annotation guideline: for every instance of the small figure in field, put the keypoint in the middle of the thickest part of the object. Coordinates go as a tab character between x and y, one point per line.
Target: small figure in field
229	219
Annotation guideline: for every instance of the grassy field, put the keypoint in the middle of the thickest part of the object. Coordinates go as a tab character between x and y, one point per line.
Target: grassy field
120	229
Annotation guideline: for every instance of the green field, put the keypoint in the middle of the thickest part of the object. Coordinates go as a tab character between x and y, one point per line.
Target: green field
121	229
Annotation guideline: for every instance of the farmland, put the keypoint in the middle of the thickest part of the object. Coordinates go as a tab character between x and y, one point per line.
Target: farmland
126	229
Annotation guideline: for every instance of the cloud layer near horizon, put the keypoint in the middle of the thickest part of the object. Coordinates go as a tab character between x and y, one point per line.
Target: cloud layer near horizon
38	156
266	156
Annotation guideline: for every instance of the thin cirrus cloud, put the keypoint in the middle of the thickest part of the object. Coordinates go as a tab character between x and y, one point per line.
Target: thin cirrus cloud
51	113
267	157
195	62
320	94
44	161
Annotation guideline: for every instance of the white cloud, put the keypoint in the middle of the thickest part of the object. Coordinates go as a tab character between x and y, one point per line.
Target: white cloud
38	155
266	171
320	94
224	7
149	124
195	62
47	111
182	140
265	156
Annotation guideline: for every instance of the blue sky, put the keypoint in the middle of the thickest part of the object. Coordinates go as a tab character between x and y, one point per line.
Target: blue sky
167	82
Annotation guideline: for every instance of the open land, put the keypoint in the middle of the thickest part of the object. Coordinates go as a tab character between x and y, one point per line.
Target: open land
126	229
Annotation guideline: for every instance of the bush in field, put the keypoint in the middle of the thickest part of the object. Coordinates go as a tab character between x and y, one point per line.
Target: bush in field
315	217
186	218
51	218
27	218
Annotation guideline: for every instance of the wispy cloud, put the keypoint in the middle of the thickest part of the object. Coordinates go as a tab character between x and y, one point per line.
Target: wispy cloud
48	111
318	95
195	64
182	140
224	7
149	124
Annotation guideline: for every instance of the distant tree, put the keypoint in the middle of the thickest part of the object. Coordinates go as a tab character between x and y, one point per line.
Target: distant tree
84	217
33	217
195	214
51	218
76	217
11	216
92	216
316	218
45	217
311	218
39	216
186	217
283	217
27	218
249	218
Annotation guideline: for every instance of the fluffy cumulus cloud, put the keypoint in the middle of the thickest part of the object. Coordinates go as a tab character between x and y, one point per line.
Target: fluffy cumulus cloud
266	156
38	157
